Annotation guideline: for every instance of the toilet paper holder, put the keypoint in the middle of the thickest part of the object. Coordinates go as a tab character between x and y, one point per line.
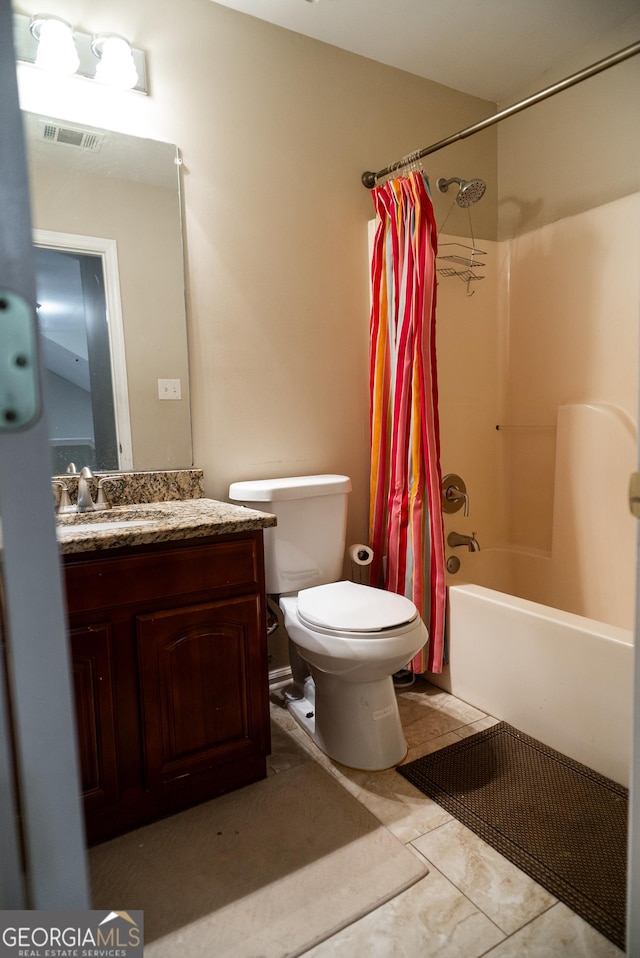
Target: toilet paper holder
360	554
361	557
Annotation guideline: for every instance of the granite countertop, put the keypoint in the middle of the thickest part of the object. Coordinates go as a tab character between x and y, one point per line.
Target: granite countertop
147	523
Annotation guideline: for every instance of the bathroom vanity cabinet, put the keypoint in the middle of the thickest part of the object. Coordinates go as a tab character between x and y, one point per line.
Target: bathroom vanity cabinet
170	675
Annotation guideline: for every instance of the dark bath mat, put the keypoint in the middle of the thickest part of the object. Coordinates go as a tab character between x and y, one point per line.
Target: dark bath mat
557	820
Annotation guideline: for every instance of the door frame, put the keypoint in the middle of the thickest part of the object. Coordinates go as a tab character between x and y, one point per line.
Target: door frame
43	858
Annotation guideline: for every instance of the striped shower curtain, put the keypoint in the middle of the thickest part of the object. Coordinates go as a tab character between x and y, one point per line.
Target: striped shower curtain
405	525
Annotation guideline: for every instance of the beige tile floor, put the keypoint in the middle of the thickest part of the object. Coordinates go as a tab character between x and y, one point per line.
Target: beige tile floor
473	901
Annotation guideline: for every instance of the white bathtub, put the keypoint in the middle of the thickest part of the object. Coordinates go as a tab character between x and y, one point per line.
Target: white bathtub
562	678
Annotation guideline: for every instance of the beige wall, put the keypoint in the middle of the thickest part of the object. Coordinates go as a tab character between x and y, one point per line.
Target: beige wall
275	130
577	150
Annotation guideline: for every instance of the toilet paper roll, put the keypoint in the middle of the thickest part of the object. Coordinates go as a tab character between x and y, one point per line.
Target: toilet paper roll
360	554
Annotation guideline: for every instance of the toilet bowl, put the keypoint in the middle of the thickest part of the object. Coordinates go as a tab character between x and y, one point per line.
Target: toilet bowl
352	638
346	639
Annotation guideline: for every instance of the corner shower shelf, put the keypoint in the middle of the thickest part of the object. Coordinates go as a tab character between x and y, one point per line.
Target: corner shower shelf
464	274
464	255
461	255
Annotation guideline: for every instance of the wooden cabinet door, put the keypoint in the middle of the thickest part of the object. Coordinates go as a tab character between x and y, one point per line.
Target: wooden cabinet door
91	655
202	688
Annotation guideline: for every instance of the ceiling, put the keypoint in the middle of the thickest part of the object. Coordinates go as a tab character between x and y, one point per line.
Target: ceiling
489	48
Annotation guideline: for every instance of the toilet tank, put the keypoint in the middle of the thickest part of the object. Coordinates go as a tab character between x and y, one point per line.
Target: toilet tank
306	548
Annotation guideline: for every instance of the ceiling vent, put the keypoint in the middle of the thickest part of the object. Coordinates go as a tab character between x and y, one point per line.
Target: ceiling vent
71	136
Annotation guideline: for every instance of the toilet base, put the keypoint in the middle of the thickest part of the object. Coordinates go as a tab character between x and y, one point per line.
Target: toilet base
357	724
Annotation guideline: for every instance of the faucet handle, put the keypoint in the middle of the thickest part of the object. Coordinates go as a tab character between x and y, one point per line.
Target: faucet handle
102	500
64	503
454	494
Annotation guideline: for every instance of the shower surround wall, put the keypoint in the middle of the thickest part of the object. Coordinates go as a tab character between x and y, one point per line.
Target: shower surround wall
548	345
573	308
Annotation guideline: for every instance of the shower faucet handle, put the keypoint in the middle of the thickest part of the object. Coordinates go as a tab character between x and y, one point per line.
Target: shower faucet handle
454	494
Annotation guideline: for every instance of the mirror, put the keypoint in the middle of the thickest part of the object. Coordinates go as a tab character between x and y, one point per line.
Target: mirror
106	207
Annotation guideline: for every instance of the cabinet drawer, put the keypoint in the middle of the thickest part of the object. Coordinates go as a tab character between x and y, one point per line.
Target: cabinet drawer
164	573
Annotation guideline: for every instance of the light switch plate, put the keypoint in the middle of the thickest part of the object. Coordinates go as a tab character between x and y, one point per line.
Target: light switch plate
169	389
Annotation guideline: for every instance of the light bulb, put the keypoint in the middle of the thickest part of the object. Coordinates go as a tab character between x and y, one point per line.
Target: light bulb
56	48
115	67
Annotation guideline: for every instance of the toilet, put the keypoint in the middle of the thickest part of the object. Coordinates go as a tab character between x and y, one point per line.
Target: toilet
346	639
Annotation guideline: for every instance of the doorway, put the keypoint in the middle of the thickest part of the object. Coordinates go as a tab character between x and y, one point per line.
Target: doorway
84	363
78	385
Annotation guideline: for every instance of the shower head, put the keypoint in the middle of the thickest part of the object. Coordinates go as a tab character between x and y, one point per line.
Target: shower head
469	193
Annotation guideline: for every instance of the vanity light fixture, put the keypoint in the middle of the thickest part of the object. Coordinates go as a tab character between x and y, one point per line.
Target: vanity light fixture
106	57
56	47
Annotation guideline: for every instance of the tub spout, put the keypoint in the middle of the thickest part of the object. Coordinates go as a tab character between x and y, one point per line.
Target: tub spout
457	539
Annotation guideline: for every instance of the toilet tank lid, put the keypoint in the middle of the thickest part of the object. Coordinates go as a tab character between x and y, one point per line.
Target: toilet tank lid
295	487
351	607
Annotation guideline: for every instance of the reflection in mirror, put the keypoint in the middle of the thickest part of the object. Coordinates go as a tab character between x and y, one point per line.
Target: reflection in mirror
78	384
107	216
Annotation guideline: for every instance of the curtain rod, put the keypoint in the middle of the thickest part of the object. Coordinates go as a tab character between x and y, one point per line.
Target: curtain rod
369	178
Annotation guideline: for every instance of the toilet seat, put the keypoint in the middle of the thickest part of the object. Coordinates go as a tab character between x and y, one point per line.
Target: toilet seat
348	607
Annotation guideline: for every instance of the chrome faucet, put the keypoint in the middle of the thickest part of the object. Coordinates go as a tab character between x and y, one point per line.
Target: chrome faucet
85	502
457	539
